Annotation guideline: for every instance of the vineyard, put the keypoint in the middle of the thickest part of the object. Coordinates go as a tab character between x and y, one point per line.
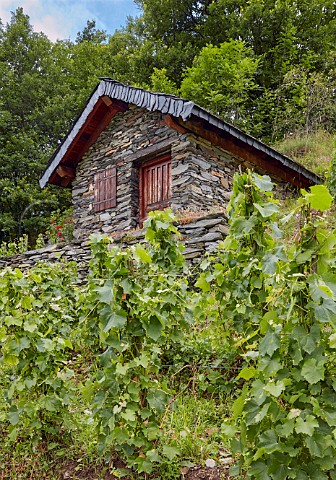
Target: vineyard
155	366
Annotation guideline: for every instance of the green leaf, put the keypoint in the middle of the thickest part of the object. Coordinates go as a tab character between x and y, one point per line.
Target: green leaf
247	373
45	345
275	388
306	426
115	320
127	285
238	406
142	254
153	456
128	415
170	452
26	302
316	445
319	197
13	417
264	182
267	209
304	257
255	413
313	371
228	430
286	429
30	326
269	344
122	369
258	470
120	435
143	360
269	441
52	404
157	400
153	328
10	360
332	340
105	293
203	283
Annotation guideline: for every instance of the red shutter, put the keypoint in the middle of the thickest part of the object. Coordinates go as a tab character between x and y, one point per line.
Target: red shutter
105	189
155	185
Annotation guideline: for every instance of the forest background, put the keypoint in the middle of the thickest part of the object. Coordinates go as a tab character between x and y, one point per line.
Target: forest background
267	66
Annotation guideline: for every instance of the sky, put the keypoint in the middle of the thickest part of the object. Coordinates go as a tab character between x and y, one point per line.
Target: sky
62	19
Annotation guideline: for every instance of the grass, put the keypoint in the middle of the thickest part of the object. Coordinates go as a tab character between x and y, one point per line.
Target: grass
314	151
194	427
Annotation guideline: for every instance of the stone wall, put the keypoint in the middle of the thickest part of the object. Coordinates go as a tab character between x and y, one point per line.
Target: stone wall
127	133
199	235
201	174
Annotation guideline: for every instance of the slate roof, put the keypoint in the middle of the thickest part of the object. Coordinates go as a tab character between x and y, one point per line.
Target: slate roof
166	104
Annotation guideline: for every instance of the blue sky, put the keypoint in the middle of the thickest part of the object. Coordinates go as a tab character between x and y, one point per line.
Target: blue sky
62	19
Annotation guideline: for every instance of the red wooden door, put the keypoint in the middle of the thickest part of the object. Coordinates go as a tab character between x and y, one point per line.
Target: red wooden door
155	185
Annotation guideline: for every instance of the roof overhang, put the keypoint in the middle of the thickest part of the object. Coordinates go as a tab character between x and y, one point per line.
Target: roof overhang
111	97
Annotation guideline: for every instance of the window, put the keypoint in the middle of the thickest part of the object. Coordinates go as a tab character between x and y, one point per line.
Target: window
105	189
155	185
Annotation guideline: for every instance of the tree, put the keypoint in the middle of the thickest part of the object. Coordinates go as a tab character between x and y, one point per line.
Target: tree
91	34
221	79
44	86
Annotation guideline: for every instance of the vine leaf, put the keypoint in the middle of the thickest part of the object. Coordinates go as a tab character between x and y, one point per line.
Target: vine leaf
313	371
269	344
105	292
170	452
275	388
319	197
307	426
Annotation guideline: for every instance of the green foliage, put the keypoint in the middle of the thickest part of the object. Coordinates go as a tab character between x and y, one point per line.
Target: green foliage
137	303
61	227
161	83
38	318
305	102
268	70
164	361
43	88
12	248
221	79
332	173
283	305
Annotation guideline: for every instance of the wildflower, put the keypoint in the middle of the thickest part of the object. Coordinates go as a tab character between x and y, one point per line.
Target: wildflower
58	227
59	234
62	239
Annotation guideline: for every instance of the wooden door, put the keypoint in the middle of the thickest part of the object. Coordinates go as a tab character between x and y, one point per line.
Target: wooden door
155	185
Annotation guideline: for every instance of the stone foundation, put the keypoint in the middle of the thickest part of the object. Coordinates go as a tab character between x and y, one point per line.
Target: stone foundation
199	235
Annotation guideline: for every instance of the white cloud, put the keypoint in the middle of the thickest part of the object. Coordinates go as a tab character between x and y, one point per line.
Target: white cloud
60	19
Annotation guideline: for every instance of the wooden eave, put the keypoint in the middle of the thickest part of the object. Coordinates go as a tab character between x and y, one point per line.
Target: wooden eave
100	116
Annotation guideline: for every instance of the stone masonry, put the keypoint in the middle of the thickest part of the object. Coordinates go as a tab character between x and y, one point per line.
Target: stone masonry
199	235
201	173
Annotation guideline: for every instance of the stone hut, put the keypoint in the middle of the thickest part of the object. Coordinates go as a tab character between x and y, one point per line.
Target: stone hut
131	151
